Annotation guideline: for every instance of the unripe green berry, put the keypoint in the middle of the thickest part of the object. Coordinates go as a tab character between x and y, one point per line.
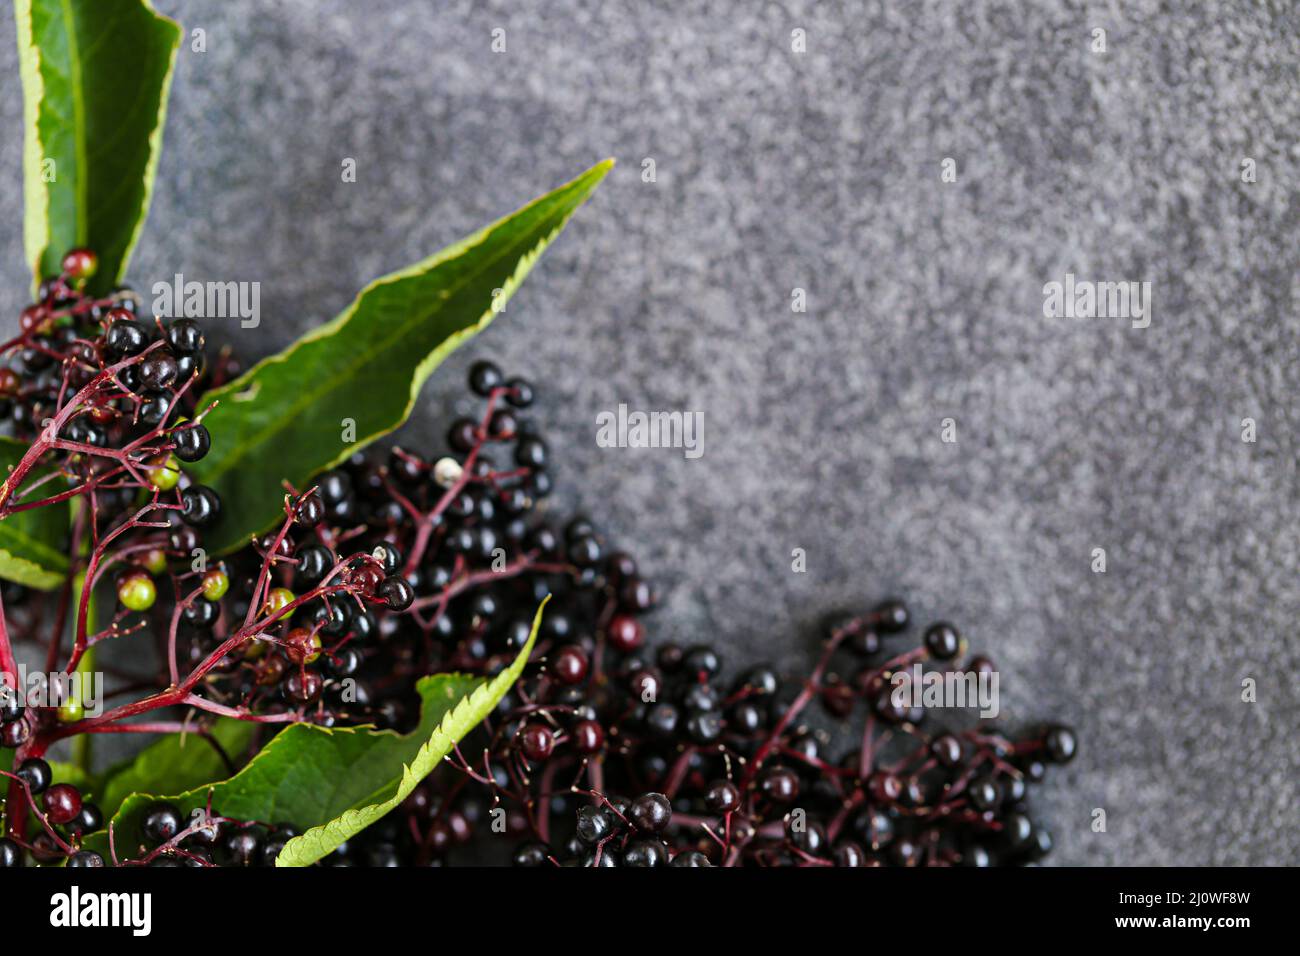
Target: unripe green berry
277	601
155	561
137	592
215	584
164	473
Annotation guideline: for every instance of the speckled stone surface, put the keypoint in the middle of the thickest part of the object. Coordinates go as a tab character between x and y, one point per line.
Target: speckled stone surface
821	170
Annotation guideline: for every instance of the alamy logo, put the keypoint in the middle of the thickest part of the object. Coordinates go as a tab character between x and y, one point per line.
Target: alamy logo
921	688
1083	299
74	909
38	689
209	300
636	429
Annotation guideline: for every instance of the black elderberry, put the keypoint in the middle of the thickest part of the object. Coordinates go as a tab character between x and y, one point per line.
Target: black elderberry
531	855
985	794
690	858
243	848
1017	830
483	377
890	616
779	784
201	613
11	854
593	825
314	562
702	661
396	592
531	453
942	641
650	812
125	336
723	796
192	441
200	506
520	394
185	336
462	436
85	858
158	369
645	853
704	726
36	773
334	486
161	822
584	551
309	510
155	407
1059	744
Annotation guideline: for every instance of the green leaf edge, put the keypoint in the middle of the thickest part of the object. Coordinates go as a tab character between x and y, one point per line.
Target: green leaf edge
321	840
22	570
586	183
36	198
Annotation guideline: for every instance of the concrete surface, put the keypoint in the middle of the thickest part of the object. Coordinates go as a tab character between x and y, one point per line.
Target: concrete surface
778	170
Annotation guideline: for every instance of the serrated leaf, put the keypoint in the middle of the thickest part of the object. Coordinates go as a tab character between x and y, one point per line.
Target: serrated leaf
176	762
336	782
283	419
32	542
96	75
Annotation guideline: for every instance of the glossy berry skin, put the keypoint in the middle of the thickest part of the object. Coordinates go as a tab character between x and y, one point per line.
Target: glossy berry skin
185	336
89	820
588	736
985	794
11	854
942	641
1060	744
125	336
62	803
200	506
593	825
537	742
625	633
531	453
520	394
158	370
890	617
483	377
137	592
532	854
11	707
690	858
645	853
723	796
15	733
193	441
570	664
161	822
80	264
779	784
650	812
396	592
85	858
36	773
947	750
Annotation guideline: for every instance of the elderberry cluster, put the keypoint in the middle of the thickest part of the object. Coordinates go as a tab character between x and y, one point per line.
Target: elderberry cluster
727	772
68	818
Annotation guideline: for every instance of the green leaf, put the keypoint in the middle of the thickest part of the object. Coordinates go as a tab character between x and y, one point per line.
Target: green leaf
95	75
336	782
176	762
283	419
32	542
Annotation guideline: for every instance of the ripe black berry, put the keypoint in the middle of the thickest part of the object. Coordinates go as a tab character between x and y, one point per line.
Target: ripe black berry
161	822
200	506
530	453
11	854
650	812
520	394
1059	744
536	741
125	336
85	858
36	773
185	336
723	796
942	641
192	441
645	853
483	377
396	592
158	369
593	825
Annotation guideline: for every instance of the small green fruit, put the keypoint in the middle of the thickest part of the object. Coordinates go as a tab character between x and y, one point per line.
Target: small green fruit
137	592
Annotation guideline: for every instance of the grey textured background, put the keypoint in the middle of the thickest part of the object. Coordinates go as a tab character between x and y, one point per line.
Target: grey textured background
821	171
